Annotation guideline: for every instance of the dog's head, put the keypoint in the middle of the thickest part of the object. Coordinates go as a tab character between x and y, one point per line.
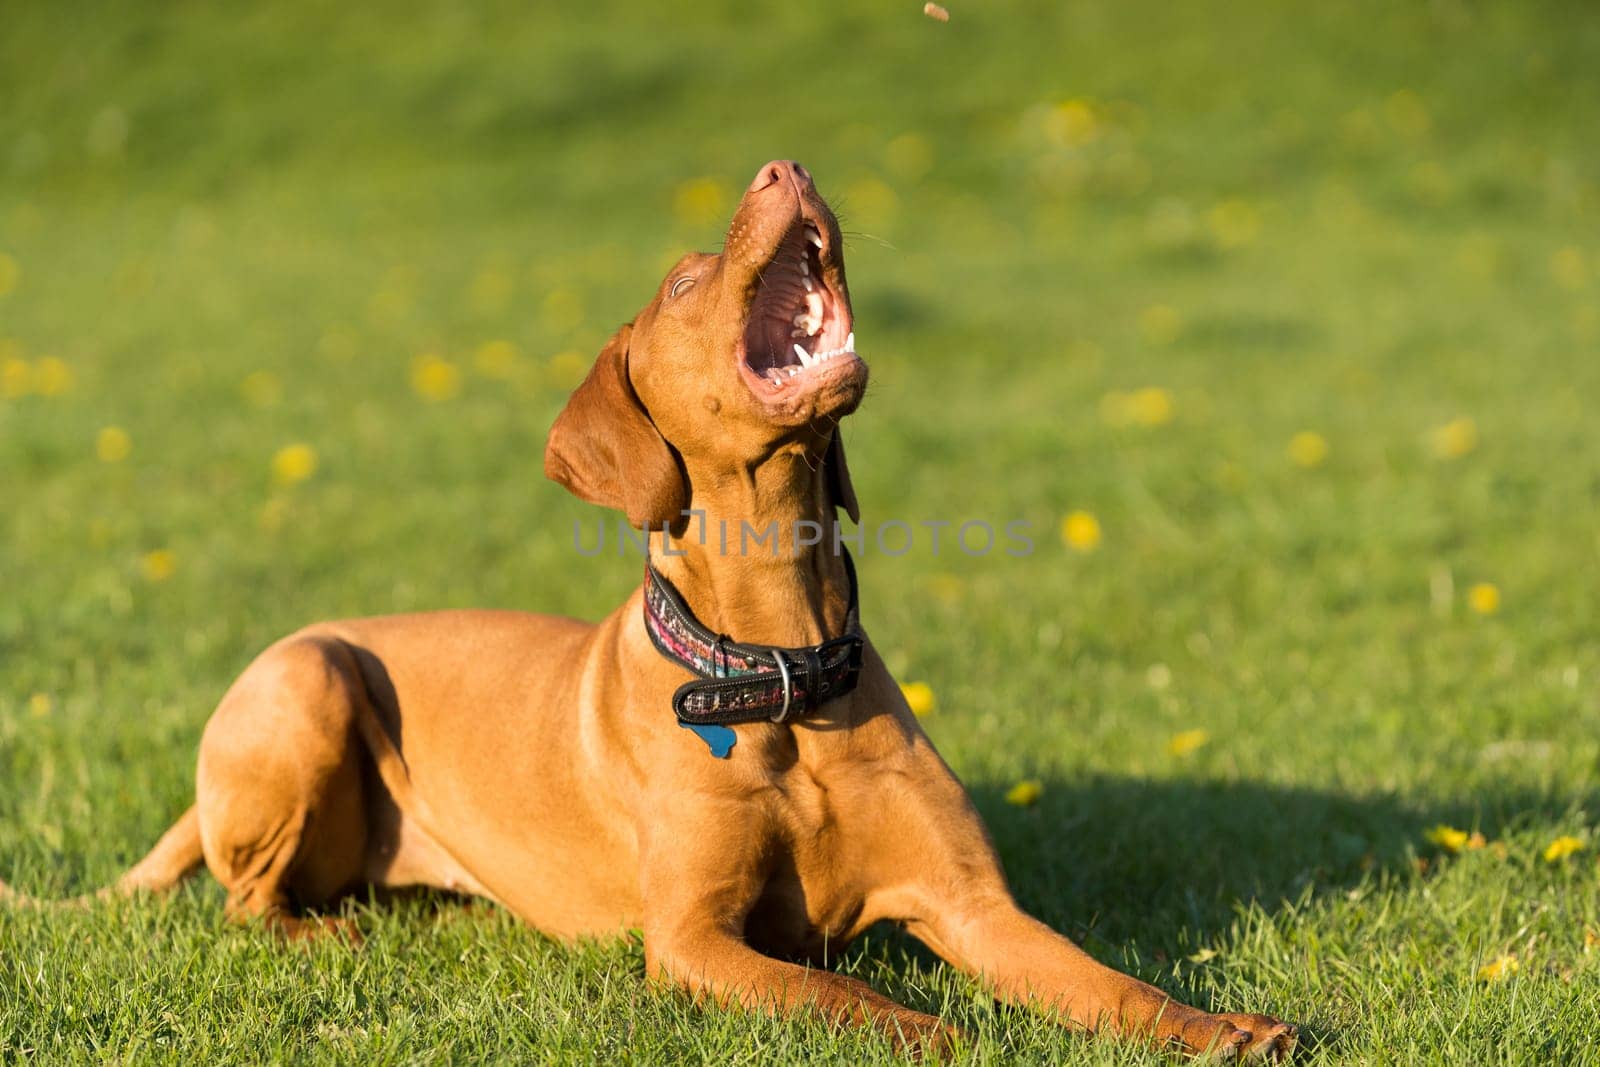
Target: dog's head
738	356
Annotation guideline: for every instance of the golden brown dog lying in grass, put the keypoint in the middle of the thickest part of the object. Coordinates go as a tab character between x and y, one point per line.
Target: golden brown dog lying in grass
539	761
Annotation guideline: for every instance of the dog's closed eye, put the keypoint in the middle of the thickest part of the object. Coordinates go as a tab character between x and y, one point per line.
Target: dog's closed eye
679	286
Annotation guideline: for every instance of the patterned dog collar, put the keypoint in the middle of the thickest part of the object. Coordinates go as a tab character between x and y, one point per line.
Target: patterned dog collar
748	683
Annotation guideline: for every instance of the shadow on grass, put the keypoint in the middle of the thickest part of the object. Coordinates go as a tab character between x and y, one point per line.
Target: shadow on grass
1135	860
1142	872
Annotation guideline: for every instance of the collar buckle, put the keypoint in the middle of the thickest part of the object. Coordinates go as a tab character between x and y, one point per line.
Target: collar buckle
782	714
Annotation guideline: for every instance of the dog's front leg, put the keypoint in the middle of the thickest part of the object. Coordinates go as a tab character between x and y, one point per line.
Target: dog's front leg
1024	961
717	964
940	876
696	901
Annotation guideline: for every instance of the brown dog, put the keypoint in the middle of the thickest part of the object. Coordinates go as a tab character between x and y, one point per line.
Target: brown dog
538	762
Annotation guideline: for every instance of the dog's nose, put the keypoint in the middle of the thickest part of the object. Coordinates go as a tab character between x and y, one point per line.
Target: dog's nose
782	170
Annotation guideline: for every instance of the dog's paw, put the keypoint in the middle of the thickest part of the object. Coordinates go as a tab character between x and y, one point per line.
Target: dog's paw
304	931
1252	1039
925	1037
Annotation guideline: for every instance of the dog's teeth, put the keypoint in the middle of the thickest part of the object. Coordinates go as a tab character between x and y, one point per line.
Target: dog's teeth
793	371
799	331
850	342
775	375
806	278
805	357
813	236
805	265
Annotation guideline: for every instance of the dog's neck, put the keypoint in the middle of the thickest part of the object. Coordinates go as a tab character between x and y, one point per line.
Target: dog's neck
793	596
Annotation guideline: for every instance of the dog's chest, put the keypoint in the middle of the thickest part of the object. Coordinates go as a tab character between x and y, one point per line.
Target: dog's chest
812	902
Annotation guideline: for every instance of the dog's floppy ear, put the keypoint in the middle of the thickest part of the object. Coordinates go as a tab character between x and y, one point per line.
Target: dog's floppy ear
604	448
838	475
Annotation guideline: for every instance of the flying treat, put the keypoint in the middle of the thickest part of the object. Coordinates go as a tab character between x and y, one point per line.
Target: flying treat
934	11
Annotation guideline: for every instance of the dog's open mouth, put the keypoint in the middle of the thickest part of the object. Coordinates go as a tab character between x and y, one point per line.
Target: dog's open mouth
798	327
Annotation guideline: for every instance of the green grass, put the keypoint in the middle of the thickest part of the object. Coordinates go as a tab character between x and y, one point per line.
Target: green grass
1365	220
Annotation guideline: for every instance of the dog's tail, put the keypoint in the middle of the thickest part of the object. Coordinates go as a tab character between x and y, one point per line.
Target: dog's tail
175	857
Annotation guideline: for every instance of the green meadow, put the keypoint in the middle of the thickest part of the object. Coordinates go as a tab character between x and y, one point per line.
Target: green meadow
1278	325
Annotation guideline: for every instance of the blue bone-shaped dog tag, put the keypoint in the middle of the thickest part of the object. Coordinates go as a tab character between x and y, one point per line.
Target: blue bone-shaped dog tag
719	739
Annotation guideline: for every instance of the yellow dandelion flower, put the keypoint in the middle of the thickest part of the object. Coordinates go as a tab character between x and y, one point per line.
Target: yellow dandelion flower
10	273
947	588
40	705
700	201
1562	847
1025	793
1081	531
1568	269
1151	406
1234	223
1074	123
1591	939
908	156
1308	449
568	368
261	389
1186	741
1448	837
1160	324
113	444
158	565
1484	598
1456	438
16	377
919	697
434	379
294	464
496	359
52	377
1499	969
